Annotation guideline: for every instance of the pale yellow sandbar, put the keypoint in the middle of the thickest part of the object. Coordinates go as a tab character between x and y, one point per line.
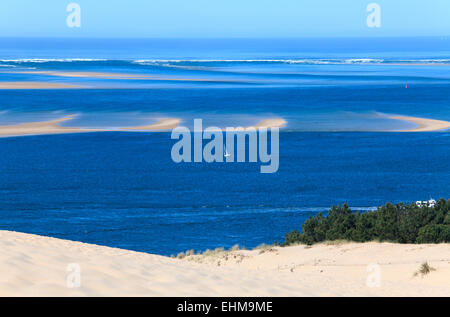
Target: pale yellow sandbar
111	75
34	85
86	74
33	265
271	123
162	124
54	127
423	125
264	124
43	127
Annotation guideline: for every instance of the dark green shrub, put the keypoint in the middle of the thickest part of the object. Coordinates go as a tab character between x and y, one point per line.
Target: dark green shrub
447	219
397	223
434	234
292	237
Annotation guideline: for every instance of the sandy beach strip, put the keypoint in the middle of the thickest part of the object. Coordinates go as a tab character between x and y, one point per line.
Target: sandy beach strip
54	127
105	75
122	76
42	127
162	124
423	124
270	123
34	85
34	265
263	124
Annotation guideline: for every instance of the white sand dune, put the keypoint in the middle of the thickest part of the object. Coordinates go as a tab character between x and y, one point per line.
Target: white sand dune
423	124
32	265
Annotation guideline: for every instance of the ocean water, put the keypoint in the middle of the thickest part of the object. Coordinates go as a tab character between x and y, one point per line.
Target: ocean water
315	85
123	189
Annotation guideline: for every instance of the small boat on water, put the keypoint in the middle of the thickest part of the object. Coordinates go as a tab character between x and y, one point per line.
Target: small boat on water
426	203
226	154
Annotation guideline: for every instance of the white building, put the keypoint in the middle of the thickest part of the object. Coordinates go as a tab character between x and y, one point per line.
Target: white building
423	203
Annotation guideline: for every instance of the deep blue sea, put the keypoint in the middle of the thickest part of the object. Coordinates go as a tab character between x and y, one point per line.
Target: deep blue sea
122	189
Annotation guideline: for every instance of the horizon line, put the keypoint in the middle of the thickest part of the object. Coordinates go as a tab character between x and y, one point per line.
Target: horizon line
441	37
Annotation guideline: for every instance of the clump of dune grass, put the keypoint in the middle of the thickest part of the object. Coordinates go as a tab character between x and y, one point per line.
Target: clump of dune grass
183	255
336	242
210	252
209	255
424	269
235	247
265	248
189	252
219	250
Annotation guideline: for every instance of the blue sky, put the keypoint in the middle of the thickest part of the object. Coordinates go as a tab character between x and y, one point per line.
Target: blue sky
225	18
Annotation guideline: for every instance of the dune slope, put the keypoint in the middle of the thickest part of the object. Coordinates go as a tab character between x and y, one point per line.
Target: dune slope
33	265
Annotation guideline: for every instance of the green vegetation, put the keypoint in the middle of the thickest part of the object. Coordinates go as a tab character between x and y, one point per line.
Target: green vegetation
424	269
400	223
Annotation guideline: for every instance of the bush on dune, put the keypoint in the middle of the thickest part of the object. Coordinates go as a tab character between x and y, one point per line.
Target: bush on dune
434	234
400	223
